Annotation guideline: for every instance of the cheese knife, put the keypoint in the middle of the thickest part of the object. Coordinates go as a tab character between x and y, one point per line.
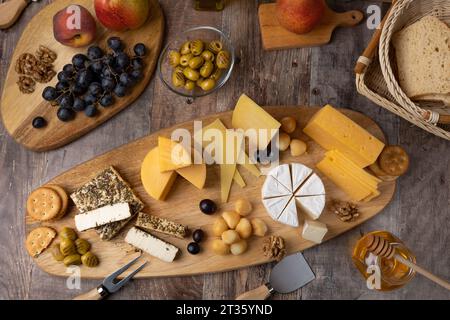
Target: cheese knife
290	274
11	10
111	284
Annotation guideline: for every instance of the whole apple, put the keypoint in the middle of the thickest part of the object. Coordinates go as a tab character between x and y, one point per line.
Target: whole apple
300	16
120	15
74	26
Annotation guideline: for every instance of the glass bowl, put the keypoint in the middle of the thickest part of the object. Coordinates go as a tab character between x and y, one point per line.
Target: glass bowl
206	34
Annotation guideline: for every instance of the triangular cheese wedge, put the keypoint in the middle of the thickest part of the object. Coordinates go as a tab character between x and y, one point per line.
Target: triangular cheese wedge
226	178
275	206
312	206
282	173
299	174
195	174
172	155
238	179
289	215
272	188
312	187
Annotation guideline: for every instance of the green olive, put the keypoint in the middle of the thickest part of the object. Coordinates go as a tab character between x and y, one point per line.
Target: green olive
196	62
196	47
208	55
223	59
185	48
184	60
68	233
189	85
89	260
199	81
174	58
56	253
67	247
178	79
216	74
206	69
191	74
215	46
208	84
82	246
73	259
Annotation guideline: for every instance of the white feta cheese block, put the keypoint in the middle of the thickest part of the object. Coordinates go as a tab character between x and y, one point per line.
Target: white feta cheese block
312	206
312	187
282	173
103	215
152	245
300	173
273	188
314	231
275	206
289	215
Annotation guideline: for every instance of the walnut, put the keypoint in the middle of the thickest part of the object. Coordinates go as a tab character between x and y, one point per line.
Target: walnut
46	55
26	63
26	84
274	247
345	211
43	72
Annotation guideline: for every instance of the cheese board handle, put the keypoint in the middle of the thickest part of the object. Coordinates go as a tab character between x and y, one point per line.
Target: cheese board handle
349	18
90	295
10	12
260	293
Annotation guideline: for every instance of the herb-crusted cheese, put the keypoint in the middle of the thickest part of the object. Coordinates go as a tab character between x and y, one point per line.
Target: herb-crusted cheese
107	188
152	245
102	216
148	222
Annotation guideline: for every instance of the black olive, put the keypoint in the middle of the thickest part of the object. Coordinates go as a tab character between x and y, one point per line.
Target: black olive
193	248
198	235
39	122
208	206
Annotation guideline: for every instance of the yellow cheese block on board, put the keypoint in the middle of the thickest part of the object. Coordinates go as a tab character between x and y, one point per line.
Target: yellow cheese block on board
248	115
195	174
172	155
227	172
333	130
353	188
238	179
156	183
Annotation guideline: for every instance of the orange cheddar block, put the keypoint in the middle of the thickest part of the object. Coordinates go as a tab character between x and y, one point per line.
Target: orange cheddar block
172	155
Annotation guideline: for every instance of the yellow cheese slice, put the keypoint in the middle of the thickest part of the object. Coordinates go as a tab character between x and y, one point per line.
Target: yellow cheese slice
238	179
226	178
172	155
195	174
331	129
248	115
353	188
156	183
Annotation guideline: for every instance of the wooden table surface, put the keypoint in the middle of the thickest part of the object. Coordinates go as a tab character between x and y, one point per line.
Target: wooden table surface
419	213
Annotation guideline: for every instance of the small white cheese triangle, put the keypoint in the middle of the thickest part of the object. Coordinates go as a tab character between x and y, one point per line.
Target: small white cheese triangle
314	231
312	206
275	206
273	188
312	187
282	173
299	174
289	215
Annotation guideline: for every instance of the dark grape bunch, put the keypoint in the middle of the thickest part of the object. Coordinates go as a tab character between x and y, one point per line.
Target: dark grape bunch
95	79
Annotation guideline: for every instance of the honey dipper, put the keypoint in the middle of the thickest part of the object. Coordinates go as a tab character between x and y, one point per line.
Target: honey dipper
383	248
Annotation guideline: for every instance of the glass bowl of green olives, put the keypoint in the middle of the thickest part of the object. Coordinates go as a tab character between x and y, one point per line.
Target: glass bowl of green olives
198	62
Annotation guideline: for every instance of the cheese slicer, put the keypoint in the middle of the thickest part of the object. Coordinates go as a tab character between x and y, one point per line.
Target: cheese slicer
111	284
11	10
290	274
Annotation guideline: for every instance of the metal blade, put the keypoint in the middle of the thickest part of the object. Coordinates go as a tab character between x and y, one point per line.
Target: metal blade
291	273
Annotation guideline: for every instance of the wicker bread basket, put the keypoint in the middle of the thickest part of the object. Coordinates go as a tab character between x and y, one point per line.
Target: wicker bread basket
375	77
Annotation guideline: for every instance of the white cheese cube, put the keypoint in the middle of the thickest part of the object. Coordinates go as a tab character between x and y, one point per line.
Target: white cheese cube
102	216
314	231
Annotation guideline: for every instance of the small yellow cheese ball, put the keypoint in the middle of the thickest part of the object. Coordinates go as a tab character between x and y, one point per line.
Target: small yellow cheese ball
219	227
288	124
259	227
298	147
239	247
230	237
220	247
231	218
244	228
284	141
243	207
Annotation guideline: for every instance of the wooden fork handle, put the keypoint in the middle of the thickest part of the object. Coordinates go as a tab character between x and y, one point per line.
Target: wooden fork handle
10	12
94	294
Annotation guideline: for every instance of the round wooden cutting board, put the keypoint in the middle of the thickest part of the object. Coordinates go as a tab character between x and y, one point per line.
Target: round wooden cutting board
181	205
18	109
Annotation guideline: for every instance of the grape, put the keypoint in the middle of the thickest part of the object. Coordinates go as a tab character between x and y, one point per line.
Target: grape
61	86
85	77
95	89
94	52
125	80
120	90
62	77
49	94
67	101
65	114
69	70
108	84
122	60
78	61
107	100
136	75
107	73
137	63
90	111
78	104
97	67
109	60
77	89
90	99
139	49
115	43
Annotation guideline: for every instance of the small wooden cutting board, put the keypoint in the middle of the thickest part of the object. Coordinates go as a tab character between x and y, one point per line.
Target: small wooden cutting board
275	37
18	110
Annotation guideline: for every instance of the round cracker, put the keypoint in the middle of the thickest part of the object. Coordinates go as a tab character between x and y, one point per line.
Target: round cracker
38	240
64	198
44	204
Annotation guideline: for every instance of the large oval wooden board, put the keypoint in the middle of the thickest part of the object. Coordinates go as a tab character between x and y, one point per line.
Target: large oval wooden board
181	205
18	110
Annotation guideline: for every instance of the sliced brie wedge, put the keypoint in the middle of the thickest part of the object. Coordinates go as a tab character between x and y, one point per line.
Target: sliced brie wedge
275	206
282	174
273	188
289	215
312	206
299	174
312	187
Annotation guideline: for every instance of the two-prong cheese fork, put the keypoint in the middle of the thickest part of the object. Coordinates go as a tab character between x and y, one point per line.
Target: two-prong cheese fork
111	284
